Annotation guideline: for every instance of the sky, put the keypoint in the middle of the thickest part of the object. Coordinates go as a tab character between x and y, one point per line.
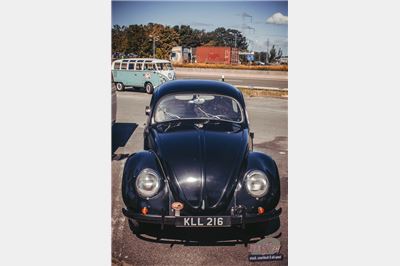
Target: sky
259	21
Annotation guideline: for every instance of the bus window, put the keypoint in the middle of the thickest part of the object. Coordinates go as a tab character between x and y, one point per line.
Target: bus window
131	66
148	66
117	65
139	66
160	66
124	65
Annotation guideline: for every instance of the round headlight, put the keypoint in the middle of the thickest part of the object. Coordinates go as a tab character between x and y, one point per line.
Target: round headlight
257	183
169	75
147	183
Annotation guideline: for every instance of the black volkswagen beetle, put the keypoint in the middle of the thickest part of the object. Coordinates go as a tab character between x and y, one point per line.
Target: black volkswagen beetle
198	167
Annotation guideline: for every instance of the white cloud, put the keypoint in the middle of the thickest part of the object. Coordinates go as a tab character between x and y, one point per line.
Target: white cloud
278	18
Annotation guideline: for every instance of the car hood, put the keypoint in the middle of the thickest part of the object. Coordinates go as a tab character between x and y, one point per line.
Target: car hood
203	165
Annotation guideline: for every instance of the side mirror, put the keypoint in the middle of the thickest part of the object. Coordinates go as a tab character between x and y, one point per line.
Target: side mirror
147	110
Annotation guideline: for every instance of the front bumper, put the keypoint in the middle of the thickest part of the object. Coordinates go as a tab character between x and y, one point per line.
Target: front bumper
241	220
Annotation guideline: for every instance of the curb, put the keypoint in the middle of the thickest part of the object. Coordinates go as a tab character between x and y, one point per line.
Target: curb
217	73
264	91
261	88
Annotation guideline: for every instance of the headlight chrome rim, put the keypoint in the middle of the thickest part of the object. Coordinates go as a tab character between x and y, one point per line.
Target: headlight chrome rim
264	181
150	175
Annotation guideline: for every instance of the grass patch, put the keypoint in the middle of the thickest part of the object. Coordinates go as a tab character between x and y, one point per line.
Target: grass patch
242	67
260	92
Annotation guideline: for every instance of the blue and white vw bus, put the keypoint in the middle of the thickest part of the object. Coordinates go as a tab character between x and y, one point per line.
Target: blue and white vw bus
145	73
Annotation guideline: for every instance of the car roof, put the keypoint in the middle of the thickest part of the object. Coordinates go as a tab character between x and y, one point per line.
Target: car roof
153	60
198	86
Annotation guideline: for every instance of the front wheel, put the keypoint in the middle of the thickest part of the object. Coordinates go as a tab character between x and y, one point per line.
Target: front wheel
149	88
120	86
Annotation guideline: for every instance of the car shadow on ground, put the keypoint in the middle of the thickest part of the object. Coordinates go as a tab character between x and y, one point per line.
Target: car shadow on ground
129	89
229	236
121	132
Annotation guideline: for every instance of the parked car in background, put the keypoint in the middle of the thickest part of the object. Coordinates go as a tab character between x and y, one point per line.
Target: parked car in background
144	73
198	167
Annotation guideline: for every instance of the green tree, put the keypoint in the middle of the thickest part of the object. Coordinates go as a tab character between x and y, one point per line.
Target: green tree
138	39
212	43
279	55
188	37
119	39
166	38
272	54
230	38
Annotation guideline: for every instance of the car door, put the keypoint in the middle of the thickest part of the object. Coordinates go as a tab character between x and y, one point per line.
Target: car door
123	74
148	72
129	74
138	74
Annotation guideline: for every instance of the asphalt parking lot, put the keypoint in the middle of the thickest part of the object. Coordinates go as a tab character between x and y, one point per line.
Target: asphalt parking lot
268	120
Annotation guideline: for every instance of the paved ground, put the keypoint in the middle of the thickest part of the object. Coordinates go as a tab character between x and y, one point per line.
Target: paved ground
238	77
268	118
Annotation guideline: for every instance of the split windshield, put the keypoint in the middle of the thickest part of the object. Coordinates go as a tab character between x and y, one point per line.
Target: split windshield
198	106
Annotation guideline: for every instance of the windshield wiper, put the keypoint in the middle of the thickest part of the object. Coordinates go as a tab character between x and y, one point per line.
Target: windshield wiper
171	114
167	125
208	114
228	119
171	125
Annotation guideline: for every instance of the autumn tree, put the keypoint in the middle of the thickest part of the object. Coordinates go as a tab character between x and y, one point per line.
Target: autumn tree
119	39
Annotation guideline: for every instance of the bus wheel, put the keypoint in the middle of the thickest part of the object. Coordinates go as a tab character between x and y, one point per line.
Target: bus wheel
120	86
149	88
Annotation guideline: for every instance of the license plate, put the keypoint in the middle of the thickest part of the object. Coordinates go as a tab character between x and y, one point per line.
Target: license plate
202	221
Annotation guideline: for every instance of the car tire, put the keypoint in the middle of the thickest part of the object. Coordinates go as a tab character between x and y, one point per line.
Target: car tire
120	86
149	88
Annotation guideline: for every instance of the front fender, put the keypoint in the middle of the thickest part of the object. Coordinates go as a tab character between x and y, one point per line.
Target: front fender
133	166
262	162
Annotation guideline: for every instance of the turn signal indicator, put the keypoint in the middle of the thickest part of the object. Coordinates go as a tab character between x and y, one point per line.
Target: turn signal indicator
177	206
145	210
